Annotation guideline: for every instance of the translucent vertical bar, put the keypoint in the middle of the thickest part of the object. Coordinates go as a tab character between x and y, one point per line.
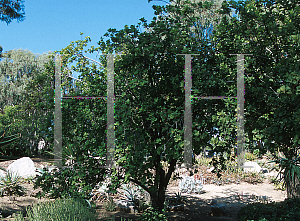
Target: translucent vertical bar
240	110
58	114
110	112
188	151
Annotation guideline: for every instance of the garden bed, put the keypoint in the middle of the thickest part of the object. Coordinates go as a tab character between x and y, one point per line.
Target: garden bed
195	205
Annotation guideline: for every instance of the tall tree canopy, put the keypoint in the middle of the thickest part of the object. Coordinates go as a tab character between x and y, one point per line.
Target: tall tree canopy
12	9
149	104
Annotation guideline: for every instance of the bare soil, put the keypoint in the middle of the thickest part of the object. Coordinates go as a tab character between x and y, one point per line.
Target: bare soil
197	206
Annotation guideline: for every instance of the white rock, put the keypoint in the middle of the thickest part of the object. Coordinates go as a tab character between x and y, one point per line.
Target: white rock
251	167
2	173
24	167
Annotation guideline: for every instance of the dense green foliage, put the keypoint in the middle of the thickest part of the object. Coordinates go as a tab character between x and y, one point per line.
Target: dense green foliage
153	214
77	180
149	108
149	102
6	140
25	90
286	210
270	31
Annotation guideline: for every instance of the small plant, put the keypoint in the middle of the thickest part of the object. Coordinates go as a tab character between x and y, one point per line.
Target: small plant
175	201
60	210
232	168
291	174
262	164
279	185
201	160
100	193
10	184
269	155
253	177
152	214
136	195
109	205
256	152
178	198
28	180
190	185
250	156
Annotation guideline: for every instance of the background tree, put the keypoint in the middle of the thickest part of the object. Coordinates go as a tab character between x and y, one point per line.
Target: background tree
204	16
18	68
12	9
270	31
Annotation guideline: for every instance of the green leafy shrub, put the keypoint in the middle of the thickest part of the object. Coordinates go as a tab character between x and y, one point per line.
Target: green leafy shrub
75	181
286	210
152	214
60	210
10	184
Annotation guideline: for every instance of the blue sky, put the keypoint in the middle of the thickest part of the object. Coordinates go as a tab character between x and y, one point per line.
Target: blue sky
51	25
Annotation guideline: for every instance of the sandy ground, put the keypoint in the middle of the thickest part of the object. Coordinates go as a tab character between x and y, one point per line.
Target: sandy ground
234	190
233	196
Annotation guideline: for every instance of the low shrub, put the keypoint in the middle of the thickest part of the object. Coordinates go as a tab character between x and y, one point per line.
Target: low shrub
256	152
60	210
109	205
75	181
201	160
250	156
136	195
286	210
253	177
190	185
10	184
269	155
152	214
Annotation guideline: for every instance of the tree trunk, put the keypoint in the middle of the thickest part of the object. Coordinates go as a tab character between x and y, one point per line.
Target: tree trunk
158	197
